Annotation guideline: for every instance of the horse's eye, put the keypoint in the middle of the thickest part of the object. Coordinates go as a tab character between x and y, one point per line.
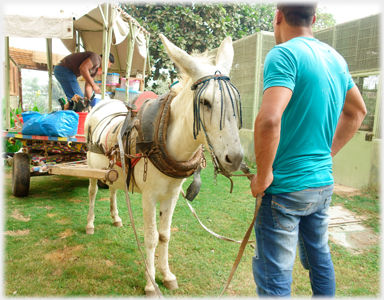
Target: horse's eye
207	104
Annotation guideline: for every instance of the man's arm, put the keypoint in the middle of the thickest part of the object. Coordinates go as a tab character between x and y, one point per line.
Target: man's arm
351	117
267	135
84	71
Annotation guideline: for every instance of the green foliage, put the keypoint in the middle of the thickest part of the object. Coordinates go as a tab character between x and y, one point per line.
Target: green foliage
159	87
323	20
202	26
8	147
11	118
197	26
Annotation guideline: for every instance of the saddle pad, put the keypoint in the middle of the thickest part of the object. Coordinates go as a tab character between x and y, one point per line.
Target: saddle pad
139	100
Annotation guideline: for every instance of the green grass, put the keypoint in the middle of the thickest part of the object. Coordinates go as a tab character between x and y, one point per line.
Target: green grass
56	258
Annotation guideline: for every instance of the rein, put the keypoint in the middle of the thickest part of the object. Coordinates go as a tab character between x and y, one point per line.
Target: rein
222	81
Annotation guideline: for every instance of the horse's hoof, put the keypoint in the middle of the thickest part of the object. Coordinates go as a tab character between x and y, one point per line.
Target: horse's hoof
151	294
89	230
171	285
118	224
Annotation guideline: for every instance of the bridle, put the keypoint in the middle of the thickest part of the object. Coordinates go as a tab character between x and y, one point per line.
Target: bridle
199	88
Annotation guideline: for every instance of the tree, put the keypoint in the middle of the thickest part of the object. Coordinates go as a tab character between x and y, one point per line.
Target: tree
197	26
202	26
323	20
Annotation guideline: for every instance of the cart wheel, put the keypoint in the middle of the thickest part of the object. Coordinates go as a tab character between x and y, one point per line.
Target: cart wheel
20	175
102	185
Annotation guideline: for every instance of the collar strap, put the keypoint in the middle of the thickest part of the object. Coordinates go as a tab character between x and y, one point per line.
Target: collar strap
206	78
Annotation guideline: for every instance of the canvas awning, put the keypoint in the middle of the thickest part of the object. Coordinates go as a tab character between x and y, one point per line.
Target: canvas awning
62	21
90	28
52	26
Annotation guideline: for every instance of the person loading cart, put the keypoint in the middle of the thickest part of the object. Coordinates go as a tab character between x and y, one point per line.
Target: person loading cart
72	66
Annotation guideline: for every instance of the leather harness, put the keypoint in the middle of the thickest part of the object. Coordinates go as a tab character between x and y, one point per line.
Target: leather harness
151	122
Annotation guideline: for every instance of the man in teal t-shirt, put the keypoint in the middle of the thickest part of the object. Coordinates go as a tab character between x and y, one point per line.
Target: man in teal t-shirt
319	80
311	108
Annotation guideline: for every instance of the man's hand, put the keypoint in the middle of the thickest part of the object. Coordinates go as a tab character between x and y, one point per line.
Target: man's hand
258	185
97	89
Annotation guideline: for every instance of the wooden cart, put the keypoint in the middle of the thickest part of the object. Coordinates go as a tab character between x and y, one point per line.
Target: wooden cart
45	155
94	31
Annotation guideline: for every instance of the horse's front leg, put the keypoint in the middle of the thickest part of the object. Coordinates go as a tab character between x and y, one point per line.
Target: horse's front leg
113	207
166	211
92	191
150	239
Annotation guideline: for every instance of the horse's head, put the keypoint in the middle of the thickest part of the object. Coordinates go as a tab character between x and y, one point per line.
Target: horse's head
216	102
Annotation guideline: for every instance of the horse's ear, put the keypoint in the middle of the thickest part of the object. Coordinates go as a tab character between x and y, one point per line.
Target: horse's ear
224	57
181	58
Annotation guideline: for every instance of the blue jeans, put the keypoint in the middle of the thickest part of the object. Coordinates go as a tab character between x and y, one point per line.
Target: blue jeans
283	222
68	81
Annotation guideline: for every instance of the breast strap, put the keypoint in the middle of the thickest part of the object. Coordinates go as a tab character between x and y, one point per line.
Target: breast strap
153	121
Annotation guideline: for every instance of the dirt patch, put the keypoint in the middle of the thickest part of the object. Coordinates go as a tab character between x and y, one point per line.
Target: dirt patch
51	215
75	200
64	255
104	199
57	272
63	221
43	242
49	207
345	191
7	175
66	233
18	232
109	263
356	238
16	214
346	229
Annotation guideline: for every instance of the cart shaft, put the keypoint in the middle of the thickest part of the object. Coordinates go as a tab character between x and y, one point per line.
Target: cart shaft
108	175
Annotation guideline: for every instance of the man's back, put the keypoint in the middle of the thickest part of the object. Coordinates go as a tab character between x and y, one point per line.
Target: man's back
319	79
74	61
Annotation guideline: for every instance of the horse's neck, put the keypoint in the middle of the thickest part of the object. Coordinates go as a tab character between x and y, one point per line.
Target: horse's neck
180	142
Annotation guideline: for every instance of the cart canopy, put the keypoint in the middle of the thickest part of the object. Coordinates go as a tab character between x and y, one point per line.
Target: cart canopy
90	27
27	21
62	21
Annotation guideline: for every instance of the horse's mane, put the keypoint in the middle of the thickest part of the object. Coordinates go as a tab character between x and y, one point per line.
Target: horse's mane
183	77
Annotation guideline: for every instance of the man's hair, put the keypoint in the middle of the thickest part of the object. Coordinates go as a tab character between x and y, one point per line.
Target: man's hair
111	58
298	14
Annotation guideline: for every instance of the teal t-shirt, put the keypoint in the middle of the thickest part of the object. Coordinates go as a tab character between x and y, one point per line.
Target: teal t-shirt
319	79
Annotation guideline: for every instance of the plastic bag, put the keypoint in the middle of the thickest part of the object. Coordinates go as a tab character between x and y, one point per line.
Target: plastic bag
33	121
62	123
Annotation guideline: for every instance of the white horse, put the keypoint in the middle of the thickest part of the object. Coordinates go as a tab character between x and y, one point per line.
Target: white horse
220	120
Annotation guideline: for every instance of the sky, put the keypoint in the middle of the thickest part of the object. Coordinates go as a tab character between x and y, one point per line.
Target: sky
347	11
343	11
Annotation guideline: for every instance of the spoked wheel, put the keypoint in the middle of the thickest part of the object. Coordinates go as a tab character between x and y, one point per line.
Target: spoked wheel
20	175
